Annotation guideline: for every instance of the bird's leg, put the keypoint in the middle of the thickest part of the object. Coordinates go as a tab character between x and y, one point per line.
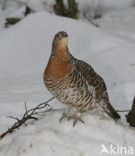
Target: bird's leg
72	113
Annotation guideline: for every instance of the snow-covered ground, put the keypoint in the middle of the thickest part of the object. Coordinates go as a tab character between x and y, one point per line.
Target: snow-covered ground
24	52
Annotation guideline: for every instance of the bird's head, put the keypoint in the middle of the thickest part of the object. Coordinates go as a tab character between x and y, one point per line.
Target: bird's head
60	40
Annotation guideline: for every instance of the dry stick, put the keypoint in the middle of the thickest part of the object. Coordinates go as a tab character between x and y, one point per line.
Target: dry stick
27	115
96	25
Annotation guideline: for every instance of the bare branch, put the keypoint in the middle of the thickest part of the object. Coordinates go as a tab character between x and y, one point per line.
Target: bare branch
13	118
25	106
29	114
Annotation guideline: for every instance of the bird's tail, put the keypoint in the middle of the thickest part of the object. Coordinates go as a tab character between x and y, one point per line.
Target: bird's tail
108	108
111	111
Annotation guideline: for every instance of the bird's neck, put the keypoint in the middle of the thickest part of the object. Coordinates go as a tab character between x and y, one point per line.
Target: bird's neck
61	52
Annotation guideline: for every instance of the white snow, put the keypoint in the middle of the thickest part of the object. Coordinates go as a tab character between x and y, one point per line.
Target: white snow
48	137
25	49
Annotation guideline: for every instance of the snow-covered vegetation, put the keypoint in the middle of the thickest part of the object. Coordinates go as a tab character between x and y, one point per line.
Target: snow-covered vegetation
24	51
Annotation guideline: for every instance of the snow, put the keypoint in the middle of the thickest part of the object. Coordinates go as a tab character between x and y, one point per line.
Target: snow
48	137
25	49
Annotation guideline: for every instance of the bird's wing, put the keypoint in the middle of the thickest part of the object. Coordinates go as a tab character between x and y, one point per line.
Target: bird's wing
91	77
99	85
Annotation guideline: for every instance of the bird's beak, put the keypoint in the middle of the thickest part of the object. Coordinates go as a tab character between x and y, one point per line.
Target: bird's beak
65	39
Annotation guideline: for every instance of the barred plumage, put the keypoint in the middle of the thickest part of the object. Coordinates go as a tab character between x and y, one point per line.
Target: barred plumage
74	82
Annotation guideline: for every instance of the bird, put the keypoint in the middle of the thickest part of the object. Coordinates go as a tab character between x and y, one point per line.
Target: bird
74	82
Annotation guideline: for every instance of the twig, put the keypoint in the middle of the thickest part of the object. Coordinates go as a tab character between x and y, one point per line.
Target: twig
96	25
29	114
122	110
13	118
25	106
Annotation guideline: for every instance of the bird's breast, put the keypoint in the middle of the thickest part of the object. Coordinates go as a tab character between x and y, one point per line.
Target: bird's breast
57	69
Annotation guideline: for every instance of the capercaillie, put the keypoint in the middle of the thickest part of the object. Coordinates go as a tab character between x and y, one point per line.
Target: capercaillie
74	82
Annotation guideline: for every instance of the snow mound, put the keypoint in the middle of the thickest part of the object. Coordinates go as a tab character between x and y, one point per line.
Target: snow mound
49	137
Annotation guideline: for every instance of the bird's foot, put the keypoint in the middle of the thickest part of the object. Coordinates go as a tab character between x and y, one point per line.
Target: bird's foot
76	118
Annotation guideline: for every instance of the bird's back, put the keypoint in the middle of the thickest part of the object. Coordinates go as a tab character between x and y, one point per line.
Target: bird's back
92	78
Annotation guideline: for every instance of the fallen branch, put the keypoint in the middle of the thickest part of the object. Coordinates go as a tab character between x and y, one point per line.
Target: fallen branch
29	114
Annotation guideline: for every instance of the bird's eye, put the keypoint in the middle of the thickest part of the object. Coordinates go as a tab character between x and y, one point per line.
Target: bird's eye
57	35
